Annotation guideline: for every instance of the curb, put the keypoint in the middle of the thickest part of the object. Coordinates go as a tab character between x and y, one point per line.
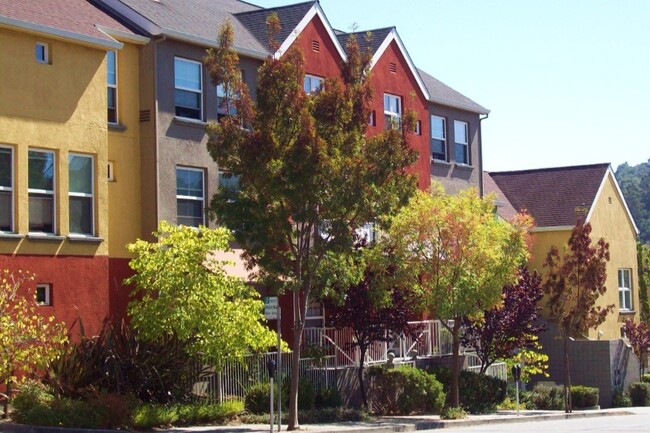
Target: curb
10	427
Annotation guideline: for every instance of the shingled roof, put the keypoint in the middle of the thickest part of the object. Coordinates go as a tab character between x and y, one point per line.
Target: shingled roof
377	36
77	19
199	18
289	16
444	95
553	196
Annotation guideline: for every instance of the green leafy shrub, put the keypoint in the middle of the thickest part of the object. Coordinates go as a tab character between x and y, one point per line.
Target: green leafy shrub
160	415
645	378
453	413
621	399
315	416
548	397
479	393
584	396
639	393
257	400
30	394
328	398
404	390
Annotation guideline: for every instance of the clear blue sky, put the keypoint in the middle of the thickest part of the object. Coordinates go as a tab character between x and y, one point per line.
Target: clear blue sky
567	81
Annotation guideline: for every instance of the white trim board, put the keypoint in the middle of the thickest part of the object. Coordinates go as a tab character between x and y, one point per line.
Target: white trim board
316	10
610	173
393	36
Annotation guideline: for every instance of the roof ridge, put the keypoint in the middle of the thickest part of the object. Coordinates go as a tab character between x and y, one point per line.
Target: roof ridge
545	169
262	9
366	31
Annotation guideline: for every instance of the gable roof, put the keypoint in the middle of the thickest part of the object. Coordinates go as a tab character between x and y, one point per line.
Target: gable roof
442	94
552	195
76	20
289	16
505	209
194	21
368	40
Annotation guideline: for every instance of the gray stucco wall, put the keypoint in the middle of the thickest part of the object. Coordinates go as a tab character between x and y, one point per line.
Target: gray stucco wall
605	364
456	177
183	143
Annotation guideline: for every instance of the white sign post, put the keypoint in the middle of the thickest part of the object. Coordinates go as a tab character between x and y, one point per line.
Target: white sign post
272	311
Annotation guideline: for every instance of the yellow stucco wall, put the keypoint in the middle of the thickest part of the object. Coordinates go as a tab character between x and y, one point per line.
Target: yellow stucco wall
610	222
60	107
124	152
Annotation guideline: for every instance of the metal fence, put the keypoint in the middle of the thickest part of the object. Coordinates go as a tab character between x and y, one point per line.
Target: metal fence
326	352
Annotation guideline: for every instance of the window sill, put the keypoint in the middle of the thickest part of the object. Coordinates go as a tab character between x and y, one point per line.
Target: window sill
11	236
45	237
440	162
85	239
627	312
190	122
118	127
463	166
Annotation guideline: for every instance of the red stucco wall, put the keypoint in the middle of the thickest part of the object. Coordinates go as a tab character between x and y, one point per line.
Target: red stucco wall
79	287
118	270
327	61
403	84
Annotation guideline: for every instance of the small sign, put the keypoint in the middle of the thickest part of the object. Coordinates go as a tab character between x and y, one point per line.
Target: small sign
271	307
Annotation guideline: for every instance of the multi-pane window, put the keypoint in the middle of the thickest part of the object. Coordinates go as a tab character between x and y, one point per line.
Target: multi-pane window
438	138
229	181
461	135
226	102
6	189
189	88
392	111
80	172
315	315
625	289
312	84
43	295
111	81
41	191
42	52
189	196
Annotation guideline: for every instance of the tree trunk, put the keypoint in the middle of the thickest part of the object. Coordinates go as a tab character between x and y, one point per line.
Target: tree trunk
567	378
454	398
362	387
8	390
295	363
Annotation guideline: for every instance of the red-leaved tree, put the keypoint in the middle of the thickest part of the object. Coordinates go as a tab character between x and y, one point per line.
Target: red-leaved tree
639	336
574	281
374	314
512	325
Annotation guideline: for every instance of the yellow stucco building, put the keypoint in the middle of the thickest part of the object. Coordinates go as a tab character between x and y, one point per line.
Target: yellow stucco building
60	140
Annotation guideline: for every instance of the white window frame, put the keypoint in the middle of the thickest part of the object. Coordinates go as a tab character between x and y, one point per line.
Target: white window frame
393	114
320	317
45	191
465	144
200	91
191	197
46	52
113	86
313	90
443	138
10	189
622	290
48	294
91	196
221	94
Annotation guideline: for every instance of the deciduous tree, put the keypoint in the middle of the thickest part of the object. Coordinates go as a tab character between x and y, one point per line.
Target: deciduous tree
575	279
639	336
460	256
374	313
28	341
183	291
512	325
309	175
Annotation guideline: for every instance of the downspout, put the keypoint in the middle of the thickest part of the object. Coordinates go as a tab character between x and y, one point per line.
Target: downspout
162	38
480	153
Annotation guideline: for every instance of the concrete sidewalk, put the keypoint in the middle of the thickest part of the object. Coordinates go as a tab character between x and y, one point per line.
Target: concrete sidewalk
376	425
411	423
